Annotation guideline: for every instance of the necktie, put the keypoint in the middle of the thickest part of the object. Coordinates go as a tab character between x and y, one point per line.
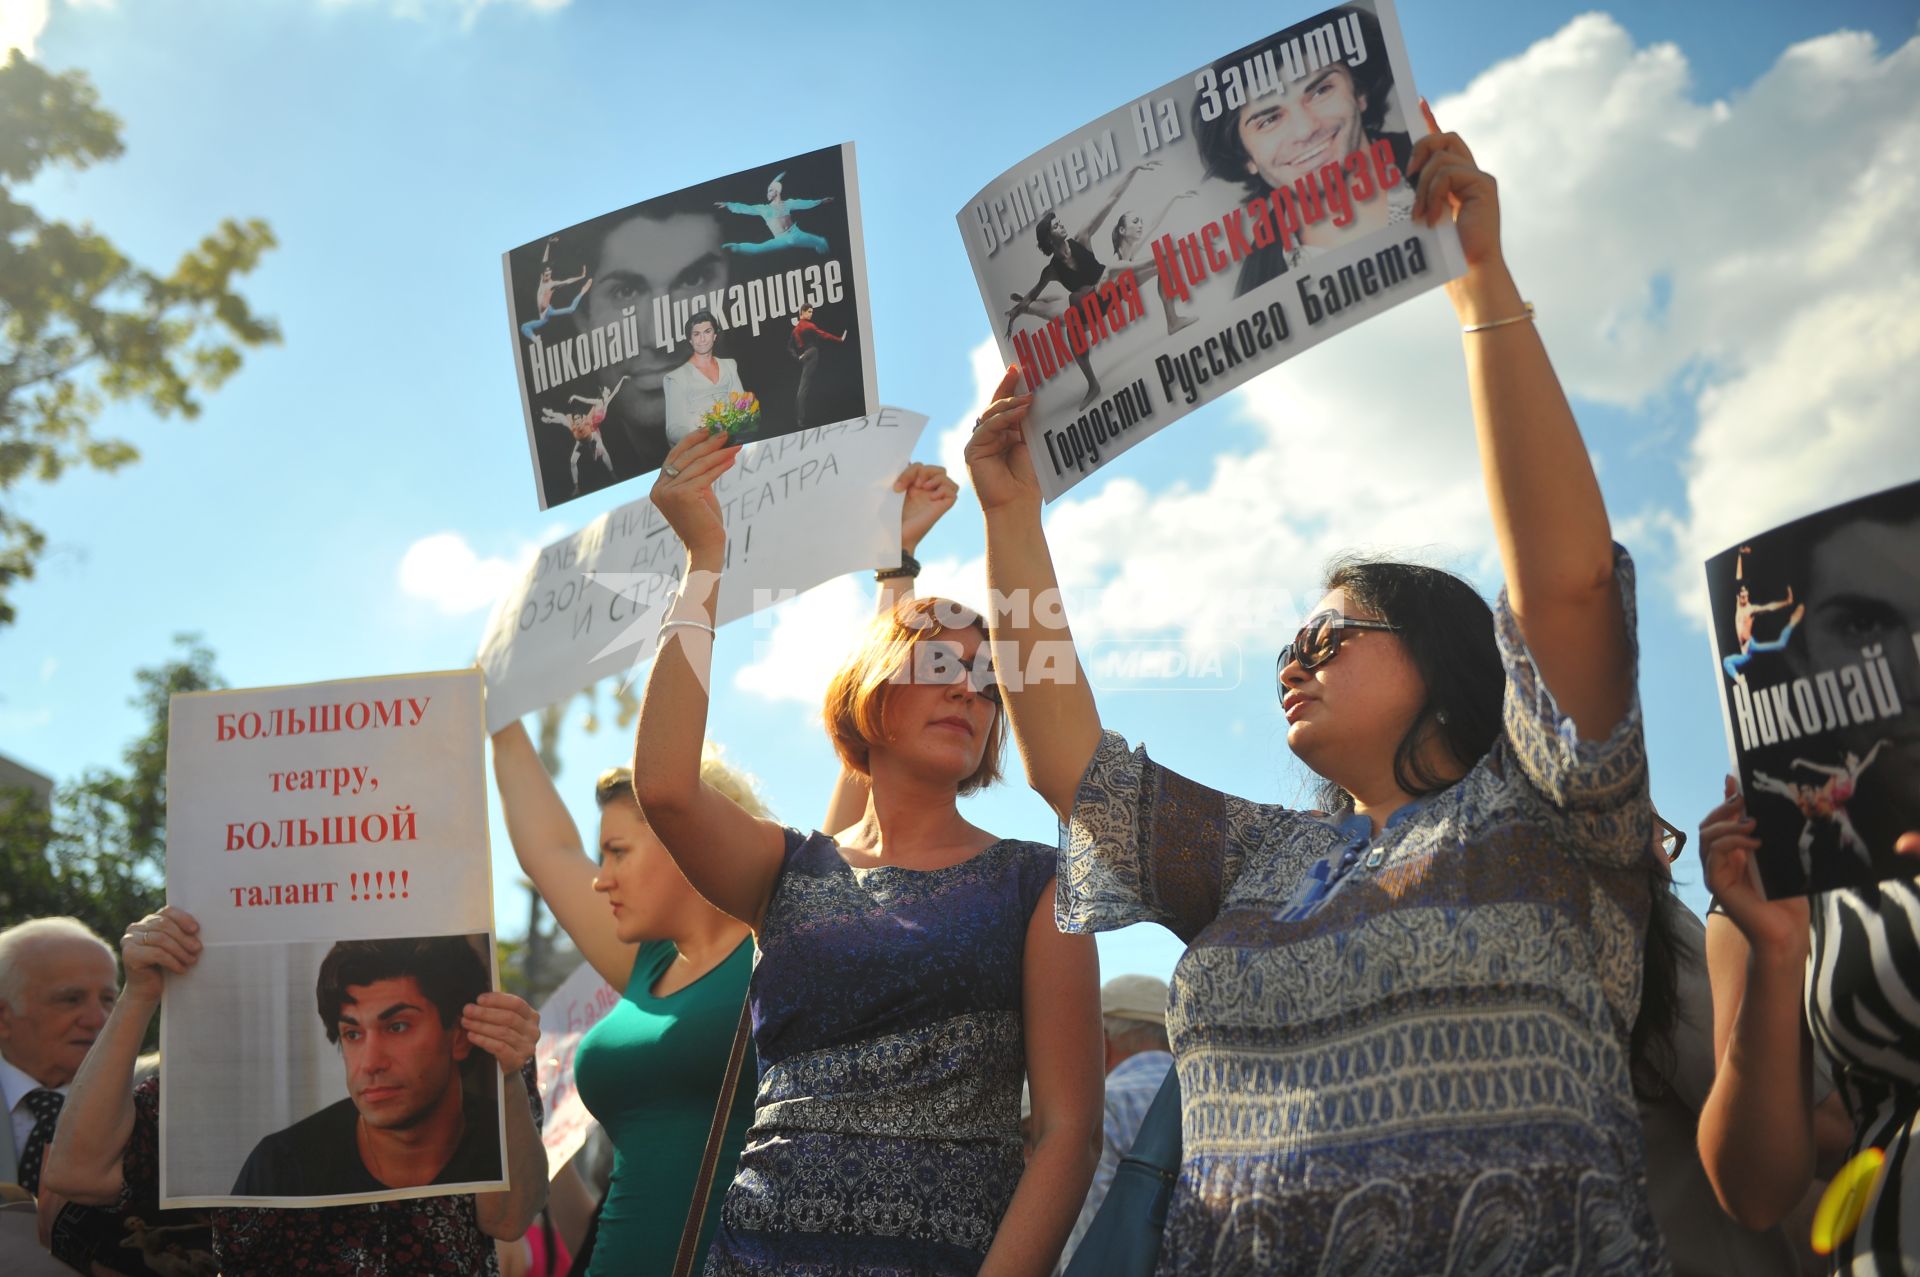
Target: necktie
45	1107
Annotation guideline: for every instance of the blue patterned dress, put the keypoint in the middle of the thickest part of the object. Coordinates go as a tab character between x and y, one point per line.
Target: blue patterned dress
886	1016
1406	1055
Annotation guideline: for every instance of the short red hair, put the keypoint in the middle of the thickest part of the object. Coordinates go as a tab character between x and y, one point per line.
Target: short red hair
856	702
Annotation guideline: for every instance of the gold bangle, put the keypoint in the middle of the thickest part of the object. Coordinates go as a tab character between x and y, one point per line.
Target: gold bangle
1521	318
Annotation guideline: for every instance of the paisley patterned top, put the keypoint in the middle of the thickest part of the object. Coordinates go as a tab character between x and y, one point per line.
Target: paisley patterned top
886	1017
1413	1062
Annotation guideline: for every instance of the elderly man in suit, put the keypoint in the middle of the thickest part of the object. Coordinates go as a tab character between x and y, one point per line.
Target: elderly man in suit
58	981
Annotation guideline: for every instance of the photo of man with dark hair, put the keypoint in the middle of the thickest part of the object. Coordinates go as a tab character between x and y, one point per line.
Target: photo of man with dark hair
415	1114
1290	134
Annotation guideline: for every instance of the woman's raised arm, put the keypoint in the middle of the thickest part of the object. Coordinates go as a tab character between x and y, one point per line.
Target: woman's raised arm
1048	701
730	857
548	847
1555	543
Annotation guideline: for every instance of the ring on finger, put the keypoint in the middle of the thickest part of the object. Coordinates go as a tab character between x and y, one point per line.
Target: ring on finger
672	472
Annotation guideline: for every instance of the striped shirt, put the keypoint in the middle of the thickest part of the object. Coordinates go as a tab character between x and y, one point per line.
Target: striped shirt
1863	1004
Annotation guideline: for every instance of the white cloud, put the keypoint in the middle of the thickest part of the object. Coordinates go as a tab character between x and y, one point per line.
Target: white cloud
21	22
446	571
47	668
1779	225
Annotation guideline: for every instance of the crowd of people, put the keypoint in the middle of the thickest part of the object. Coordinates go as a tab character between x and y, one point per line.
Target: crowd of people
1454	1020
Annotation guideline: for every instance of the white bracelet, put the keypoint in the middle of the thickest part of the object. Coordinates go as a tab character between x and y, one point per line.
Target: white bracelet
696	625
1521	318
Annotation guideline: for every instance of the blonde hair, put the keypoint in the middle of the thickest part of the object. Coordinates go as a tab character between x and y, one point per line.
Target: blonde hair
857	697
616	784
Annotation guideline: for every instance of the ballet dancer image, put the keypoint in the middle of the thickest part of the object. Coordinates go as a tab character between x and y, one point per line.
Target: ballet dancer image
1744	610
1825	802
704	380
1076	268
543	293
778	213
588	444
809	357
1131	233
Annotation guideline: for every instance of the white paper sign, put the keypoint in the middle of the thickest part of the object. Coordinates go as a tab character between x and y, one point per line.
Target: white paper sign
799	510
331	841
576	1006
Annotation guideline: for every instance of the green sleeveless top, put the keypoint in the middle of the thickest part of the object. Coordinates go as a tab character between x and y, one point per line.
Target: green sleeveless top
650	1073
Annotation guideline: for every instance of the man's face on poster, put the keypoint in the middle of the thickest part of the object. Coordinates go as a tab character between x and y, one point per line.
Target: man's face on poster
400	1059
679	254
1289	135
702	337
1855	604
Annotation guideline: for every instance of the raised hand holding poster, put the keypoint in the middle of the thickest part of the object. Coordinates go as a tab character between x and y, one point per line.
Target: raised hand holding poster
331	841
799	510
739	304
1208	231
1816	632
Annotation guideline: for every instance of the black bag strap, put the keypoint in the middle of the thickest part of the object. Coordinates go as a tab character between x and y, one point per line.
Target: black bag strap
716	1135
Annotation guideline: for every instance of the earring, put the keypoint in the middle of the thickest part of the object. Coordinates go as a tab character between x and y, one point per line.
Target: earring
1441	717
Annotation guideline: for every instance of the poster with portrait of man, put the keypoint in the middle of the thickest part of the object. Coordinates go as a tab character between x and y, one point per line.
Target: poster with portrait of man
1209	230
737	304
331	842
1816	636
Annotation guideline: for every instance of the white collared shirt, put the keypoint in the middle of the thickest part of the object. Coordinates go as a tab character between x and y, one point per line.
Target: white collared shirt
14	1088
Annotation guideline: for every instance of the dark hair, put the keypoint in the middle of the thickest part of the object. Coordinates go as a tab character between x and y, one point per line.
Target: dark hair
1447	631
1119	228
1040	236
703	316
1221	150
1650	1052
450	973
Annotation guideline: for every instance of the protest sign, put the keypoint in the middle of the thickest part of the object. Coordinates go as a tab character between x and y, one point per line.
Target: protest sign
799	510
575	1007
331	840
1208	231
740	302
1816	636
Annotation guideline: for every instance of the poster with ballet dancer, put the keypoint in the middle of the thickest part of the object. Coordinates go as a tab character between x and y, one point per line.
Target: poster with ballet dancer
330	840
738	305
1188	241
1816	636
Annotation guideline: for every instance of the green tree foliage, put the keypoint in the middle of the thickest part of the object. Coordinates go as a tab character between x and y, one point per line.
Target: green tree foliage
80	324
100	853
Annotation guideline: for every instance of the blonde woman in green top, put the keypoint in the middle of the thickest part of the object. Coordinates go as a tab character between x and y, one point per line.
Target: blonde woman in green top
650	1070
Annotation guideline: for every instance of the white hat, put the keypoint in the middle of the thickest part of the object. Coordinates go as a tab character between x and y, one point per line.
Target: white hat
1135	997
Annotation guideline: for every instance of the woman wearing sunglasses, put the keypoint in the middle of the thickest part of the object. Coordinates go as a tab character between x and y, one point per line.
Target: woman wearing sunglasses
1401	1025
909	969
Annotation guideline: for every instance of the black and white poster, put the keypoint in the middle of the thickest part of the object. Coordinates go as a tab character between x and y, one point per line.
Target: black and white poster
1816	632
738	305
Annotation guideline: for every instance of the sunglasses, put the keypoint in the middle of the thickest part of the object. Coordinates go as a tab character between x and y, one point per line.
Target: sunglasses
938	666
1673	840
1319	642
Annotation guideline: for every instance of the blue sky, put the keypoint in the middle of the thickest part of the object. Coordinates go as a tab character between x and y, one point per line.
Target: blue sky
1718	231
